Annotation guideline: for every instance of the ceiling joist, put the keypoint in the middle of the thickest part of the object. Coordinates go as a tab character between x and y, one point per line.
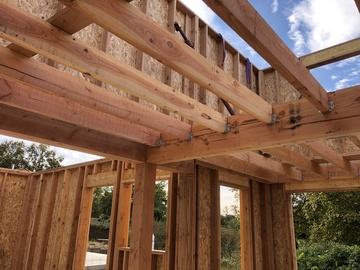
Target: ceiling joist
249	24
133	26
41	37
35	74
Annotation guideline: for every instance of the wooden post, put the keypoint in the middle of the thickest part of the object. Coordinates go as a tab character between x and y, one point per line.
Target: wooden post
142	217
266	227
186	223
246	230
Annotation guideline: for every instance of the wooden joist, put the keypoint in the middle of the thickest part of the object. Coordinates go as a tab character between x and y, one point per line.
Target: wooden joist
249	24
321	149
352	184
30	99
297	122
29	126
18	68
131	25
45	39
332	54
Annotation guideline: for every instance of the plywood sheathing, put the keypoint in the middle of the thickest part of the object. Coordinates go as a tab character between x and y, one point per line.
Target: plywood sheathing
12	191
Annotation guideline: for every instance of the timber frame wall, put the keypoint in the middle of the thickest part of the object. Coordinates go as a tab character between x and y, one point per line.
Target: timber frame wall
114	78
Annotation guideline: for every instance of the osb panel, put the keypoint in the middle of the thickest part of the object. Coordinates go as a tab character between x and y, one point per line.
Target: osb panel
10	207
41	8
158	11
342	145
270	88
279	226
255	200
288	92
204	217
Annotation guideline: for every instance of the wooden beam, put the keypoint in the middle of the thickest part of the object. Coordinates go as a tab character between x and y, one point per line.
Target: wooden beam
357	2
55	82
101	179
63	48
355	139
67	20
352	184
297	122
30	99
321	149
332	54
285	154
246	21
131	25
246	230
142	217
29	126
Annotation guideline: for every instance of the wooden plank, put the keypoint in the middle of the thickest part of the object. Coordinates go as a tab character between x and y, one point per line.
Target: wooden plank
171	221
142	217
2	186
113	250
285	154
30	99
266	227
34	231
321	149
38	75
297	122
28	126
352	184
246	230
357	2
91	61
101	179
49	215
130	24
186	223
332	54
231	179
66	19
84	223
248	23
351	156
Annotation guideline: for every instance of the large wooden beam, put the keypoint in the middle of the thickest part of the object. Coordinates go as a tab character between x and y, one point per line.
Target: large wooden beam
33	73
332	54
130	24
29	99
248	23
29	126
324	185
298	122
41	37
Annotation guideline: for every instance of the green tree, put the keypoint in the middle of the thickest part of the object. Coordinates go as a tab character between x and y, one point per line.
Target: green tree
36	157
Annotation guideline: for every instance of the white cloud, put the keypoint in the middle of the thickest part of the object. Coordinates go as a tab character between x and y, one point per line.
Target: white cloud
343	83
201	10
317	24
274	6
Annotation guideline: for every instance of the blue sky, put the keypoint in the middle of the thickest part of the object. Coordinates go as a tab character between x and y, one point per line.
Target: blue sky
305	26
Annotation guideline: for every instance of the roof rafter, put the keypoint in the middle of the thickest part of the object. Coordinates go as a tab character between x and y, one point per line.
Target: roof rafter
298	122
133	26
34	34
20	69
248	23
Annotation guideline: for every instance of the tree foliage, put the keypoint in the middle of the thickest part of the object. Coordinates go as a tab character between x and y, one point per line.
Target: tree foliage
36	157
328	216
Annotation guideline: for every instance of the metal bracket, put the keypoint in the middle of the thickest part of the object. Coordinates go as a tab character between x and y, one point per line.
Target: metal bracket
273	118
227	128
160	142
191	136
329	175
331	106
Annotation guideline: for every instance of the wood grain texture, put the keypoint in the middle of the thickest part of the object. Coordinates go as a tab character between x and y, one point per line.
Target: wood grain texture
249	24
